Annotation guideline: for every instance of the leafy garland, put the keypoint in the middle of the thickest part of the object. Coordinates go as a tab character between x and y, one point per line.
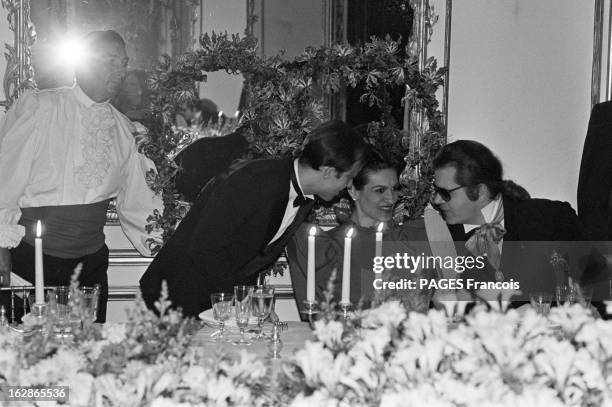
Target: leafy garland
284	104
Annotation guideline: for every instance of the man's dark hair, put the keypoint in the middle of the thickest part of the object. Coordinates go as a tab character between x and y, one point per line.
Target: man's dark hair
374	162
475	164
333	144
95	39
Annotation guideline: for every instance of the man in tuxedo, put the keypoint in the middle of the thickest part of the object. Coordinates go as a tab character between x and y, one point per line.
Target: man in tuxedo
487	216
595	202
595	181
240	223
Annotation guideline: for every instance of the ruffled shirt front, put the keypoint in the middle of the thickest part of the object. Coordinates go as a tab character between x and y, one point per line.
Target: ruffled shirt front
59	147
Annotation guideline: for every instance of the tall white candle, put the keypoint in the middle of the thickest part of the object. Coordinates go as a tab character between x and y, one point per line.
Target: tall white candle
39	277
346	268
379	237
310	266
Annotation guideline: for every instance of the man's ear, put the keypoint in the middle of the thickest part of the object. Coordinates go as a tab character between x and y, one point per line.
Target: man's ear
483	192
352	191
328	172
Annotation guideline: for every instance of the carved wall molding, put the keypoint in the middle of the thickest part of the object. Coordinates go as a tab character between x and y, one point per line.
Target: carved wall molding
19	74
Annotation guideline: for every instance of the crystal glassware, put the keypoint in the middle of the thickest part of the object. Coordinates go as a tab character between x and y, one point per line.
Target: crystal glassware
89	302
243	296
263	298
541	301
563	295
222	310
582	295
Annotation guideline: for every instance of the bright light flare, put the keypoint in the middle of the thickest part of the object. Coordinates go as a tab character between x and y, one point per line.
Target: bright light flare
71	52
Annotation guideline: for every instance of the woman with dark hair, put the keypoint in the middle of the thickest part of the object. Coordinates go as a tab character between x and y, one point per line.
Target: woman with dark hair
373	195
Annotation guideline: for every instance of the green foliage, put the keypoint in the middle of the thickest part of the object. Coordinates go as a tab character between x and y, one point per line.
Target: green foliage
286	100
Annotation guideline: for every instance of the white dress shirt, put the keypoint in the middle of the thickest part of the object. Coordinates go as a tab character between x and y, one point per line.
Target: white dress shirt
59	147
290	210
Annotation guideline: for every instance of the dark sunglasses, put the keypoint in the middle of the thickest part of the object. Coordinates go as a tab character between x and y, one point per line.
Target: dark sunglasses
445	194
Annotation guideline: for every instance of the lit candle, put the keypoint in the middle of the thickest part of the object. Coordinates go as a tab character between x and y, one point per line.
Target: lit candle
38	266
346	269
310	274
379	237
220	114
237	114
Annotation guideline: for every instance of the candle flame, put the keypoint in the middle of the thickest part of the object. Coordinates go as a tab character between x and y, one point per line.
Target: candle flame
380	227
313	231
220	114
38	229
237	113
349	234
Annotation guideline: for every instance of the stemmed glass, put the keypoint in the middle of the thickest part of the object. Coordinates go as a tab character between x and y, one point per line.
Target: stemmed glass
89	302
563	295
541	301
222	309
263	298
243	296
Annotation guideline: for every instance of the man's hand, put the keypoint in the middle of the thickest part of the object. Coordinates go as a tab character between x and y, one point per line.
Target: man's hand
5	267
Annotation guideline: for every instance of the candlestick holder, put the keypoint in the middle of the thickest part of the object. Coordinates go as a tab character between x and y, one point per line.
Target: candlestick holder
345	308
311	309
39	315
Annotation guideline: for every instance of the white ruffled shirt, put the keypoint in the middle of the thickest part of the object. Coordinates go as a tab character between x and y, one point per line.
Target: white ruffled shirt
59	147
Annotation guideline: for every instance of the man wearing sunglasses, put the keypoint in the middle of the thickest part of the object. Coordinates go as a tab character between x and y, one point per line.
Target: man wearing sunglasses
487	216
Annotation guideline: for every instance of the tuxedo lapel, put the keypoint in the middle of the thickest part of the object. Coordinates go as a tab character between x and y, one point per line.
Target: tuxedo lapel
280	200
299	218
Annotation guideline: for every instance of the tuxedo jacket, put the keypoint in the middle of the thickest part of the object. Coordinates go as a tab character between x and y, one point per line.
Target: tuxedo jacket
595	180
535	228
204	159
223	240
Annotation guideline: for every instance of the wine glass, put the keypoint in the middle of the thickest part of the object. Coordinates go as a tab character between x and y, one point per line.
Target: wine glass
243	296
541	301
263	298
562	294
222	309
89	302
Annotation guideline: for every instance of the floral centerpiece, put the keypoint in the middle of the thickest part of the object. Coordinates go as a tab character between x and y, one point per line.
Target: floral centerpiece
147	361
390	358
382	356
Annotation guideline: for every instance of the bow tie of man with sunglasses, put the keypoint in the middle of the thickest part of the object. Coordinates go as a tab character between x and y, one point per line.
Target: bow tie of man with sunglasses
64	154
487	216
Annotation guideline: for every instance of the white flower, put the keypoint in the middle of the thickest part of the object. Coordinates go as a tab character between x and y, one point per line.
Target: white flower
424	395
61	366
166	402
195	377
313	359
389	314
372	344
555	360
114	333
246	367
329	333
81	388
167	381
220	389
319	398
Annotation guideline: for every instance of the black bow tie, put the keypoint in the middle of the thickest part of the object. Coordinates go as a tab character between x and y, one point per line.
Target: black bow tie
300	200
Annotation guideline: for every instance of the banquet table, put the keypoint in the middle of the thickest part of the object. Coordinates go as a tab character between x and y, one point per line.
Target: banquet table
293	338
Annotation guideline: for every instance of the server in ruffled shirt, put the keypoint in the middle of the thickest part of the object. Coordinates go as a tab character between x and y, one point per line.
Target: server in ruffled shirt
64	154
